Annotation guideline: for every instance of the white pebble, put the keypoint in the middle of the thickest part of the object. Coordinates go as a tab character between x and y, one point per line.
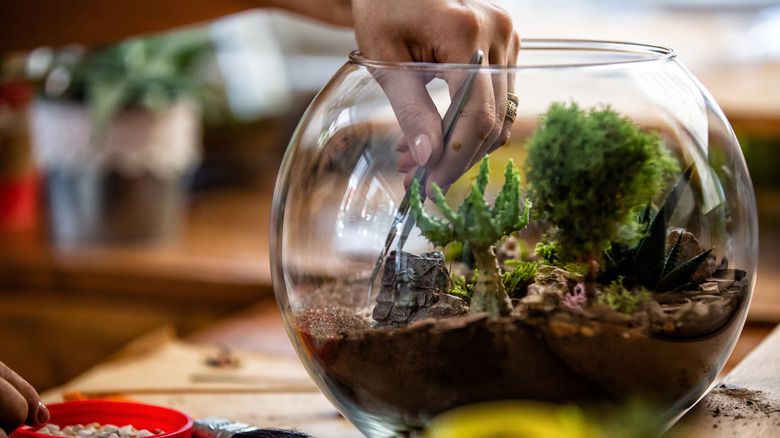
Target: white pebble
95	430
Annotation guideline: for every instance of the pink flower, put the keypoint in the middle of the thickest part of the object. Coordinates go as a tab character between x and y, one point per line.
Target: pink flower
576	298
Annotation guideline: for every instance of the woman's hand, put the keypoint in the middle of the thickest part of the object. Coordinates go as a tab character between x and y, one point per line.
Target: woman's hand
19	403
441	31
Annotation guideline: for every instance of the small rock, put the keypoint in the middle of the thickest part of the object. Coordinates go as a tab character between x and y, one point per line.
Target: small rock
447	306
710	287
689	248
548	290
587	331
563	328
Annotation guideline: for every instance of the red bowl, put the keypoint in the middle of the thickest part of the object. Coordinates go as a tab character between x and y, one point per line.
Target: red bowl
174	424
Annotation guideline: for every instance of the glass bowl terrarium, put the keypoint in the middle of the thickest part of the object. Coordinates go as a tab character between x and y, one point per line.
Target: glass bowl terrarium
608	251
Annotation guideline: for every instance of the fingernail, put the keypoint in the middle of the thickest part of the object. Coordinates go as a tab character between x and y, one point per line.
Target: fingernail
422	149
43	413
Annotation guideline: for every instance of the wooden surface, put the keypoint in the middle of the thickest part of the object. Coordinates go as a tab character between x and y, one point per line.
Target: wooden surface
223	243
274	391
746	403
268	391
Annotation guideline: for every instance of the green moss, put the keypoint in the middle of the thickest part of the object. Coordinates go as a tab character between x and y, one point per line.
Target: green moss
623	300
547	251
517	280
463	289
587	170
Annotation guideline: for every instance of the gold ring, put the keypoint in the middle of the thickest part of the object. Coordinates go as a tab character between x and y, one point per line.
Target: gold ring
511	106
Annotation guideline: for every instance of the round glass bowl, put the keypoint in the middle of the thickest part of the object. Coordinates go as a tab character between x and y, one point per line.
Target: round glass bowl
633	274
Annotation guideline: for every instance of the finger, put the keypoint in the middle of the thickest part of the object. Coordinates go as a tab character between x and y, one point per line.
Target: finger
500	97
511	62
13	406
417	115
406	163
402	146
474	126
500	53
35	412
504	44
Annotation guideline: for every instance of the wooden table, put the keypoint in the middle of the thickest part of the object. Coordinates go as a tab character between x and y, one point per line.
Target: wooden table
269	391
274	391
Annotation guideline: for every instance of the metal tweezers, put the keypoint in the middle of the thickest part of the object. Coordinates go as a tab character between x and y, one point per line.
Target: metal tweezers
402	215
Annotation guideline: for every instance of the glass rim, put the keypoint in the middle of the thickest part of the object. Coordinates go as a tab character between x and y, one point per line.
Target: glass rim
630	52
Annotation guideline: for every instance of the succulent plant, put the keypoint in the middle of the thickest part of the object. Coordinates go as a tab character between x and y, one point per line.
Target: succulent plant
479	226
647	262
146	72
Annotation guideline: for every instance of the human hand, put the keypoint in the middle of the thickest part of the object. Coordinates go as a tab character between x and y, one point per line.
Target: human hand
441	31
19	403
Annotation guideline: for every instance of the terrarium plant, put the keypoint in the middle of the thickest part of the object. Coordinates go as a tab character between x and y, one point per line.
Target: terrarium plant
593	175
479	227
588	171
649	263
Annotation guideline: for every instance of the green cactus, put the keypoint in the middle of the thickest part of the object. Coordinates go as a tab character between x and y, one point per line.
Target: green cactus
478	226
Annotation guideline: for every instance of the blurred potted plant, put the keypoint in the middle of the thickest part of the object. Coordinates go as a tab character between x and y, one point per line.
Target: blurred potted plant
118	132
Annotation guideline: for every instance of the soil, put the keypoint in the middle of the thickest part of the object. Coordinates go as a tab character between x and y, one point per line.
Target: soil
732	410
731	402
668	351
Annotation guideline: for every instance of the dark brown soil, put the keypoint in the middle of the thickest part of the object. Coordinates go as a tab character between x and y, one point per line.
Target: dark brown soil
408	375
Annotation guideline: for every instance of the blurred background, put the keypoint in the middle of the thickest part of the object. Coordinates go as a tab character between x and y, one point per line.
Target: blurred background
136	179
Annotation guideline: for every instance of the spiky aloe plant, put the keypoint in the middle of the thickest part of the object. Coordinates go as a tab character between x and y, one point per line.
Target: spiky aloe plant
647	263
479	226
